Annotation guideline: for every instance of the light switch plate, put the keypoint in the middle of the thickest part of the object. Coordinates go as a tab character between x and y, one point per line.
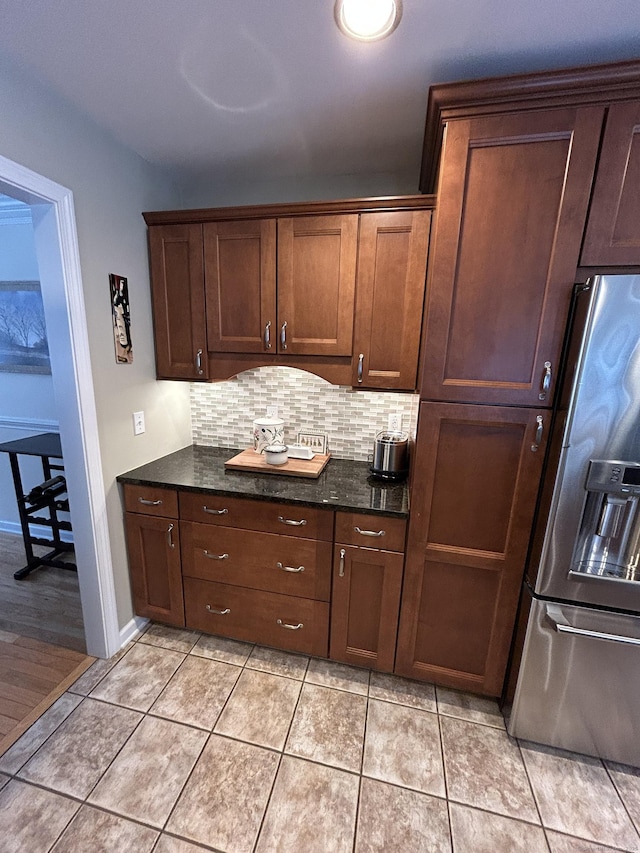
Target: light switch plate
138	423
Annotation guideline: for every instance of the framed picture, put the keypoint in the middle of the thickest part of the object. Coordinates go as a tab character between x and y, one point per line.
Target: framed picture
121	318
23	333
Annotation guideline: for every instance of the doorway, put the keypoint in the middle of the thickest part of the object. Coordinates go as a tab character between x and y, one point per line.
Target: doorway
57	253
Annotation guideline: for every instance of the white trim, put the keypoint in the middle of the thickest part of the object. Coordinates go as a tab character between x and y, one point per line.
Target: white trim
30	424
15	528
78	421
132	630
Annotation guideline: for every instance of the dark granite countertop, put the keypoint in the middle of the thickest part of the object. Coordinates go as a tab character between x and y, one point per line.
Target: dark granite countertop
344	484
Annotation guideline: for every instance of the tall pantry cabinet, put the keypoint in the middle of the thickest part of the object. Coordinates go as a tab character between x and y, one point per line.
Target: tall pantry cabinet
517	164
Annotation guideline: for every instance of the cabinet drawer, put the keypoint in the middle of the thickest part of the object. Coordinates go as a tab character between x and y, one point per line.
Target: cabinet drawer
264	516
151	500
370	531
283	564
258	617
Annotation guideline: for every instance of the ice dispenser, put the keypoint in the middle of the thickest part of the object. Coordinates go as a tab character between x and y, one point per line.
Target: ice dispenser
608	544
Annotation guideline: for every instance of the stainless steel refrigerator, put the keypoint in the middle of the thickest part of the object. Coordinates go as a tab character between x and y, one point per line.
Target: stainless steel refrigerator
579	681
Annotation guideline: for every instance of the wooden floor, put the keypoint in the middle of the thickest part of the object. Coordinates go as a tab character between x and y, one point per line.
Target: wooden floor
45	605
42	646
32	676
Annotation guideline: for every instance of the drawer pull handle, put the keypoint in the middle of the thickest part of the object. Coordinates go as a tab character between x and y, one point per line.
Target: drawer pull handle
170	537
290	568
145	502
215	556
217	612
342	556
290	627
369	532
215	511
291	521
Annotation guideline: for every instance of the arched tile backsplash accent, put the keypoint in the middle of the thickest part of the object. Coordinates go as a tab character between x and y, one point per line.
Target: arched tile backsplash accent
223	412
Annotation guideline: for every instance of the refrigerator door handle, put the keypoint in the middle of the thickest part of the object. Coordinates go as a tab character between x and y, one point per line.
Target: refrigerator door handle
560	624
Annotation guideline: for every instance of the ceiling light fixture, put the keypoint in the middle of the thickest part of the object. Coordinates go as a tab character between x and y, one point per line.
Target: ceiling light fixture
368	20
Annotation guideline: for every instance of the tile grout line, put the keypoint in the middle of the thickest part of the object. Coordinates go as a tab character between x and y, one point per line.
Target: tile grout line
620	797
533	793
444	767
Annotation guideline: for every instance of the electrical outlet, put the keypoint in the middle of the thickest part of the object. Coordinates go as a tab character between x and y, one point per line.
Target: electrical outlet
395	421
272	411
138	423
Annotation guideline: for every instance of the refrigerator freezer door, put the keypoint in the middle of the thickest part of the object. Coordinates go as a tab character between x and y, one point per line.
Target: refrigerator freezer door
579	685
602	423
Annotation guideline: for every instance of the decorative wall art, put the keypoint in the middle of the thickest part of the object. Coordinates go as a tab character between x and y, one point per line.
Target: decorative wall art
121	318
23	333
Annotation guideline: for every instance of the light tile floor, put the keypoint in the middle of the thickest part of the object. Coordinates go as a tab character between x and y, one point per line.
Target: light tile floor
185	743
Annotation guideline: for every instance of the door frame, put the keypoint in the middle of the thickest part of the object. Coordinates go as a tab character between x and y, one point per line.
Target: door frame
58	256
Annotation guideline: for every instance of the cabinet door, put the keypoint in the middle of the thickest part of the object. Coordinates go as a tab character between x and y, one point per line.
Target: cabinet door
316	284
153	545
613	229
512	204
392	263
240	274
364	607
476	477
177	292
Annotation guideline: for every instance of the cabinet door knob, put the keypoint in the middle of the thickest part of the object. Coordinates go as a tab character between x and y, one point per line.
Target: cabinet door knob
267	335
290	568
341	568
290	627
291	521
360	367
283	335
539	433
199	362
215	556
149	503
170	537
215	511
217	612
546	381
369	532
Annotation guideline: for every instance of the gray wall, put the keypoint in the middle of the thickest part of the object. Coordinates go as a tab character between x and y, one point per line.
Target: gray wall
111	187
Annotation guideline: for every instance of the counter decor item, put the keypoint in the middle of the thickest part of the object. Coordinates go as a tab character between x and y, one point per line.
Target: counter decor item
276	454
267	431
391	455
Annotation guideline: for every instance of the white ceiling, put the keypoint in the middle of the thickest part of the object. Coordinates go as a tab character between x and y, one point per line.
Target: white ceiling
272	88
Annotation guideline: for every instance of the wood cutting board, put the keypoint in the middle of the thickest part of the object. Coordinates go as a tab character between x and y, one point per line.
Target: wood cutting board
249	460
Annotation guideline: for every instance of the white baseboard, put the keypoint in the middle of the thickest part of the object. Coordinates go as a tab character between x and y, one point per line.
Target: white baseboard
29	424
132	630
14	527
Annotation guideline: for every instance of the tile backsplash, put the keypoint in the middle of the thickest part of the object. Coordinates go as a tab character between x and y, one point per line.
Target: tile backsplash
222	413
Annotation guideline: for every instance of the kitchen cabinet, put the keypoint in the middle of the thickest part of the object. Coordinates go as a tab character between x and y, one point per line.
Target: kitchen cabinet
512	202
392	262
238	288
475	483
257	571
177	292
366	589
612	236
240	276
153	544
293	296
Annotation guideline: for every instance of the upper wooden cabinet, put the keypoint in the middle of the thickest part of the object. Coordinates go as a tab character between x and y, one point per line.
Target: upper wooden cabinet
513	196
392	262
240	284
316	284
613	229
177	289
237	288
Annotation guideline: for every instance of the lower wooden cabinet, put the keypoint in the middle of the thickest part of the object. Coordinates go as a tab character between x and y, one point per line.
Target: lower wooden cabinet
476	476
368	562
282	621
153	543
364	607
